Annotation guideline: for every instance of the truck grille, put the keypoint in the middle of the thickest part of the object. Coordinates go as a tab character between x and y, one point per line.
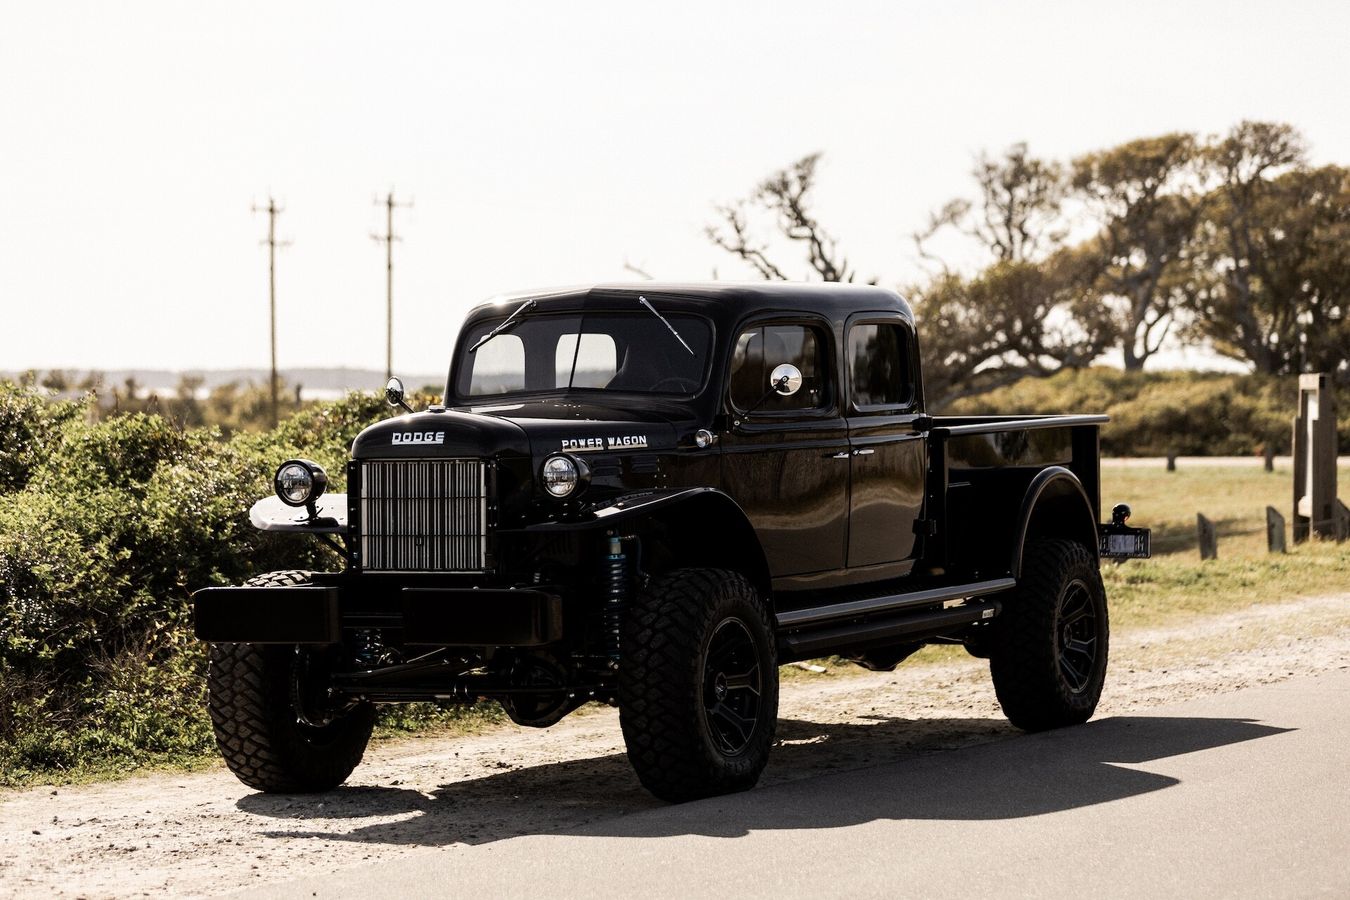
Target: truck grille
424	515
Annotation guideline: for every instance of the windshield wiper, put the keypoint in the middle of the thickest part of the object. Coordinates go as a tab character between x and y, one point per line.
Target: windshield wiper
645	302
528	304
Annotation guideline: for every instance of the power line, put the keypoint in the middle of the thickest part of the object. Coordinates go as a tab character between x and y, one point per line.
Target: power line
388	239
272	243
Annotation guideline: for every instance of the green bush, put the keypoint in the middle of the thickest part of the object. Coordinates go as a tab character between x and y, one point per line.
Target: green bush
106	527
1157	413
29	427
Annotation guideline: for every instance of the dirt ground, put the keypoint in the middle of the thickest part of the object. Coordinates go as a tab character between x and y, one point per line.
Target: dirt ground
204	834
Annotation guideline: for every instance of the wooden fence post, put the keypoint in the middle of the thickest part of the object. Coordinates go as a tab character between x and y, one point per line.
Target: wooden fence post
1274	530
1208	539
1315	459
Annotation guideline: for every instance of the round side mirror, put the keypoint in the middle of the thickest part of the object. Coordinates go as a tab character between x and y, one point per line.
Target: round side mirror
393	393
786	380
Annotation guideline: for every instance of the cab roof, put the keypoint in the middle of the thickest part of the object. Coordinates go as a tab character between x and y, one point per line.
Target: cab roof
722	300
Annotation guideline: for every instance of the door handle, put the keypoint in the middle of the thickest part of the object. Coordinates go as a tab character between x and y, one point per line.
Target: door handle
865	451
842	454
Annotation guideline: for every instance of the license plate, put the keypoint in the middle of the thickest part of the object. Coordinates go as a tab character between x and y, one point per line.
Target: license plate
1126	543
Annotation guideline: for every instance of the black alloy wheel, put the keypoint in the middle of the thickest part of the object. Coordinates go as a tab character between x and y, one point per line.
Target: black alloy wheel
1076	633
732	685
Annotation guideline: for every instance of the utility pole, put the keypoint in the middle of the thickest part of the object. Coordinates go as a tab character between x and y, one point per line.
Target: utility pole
271	242
388	239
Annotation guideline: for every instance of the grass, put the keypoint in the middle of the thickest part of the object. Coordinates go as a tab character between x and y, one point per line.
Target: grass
1176	584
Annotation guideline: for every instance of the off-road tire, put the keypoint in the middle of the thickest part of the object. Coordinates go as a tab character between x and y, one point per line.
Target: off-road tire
249	696
663	694
1034	687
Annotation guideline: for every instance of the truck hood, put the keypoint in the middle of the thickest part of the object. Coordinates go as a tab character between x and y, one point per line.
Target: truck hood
448	433
582	427
535	427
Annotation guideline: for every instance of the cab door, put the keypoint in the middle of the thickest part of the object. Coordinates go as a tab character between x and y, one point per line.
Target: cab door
888	457
785	459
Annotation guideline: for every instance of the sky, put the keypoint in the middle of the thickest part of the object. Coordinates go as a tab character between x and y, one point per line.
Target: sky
543	144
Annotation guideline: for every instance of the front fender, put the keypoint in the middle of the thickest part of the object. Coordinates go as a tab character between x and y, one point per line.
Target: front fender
683	527
270	514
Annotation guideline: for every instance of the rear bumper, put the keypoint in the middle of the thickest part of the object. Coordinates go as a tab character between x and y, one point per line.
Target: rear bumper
433	617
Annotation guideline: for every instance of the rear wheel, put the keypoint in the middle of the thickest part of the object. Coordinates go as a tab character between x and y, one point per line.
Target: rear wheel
1048	648
698	685
270	716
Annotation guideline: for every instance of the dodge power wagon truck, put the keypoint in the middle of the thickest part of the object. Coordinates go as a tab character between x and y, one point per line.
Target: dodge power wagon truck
652	496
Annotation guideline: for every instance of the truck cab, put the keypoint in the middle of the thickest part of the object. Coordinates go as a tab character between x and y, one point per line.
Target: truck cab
652	495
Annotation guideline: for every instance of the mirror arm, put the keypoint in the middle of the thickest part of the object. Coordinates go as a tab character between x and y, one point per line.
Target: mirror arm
774	388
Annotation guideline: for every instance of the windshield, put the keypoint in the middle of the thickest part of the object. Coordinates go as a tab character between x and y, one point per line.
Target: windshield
633	351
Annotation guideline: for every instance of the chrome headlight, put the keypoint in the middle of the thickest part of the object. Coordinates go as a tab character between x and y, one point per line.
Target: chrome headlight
299	482
563	475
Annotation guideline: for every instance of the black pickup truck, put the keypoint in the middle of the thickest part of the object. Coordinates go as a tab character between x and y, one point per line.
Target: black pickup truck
652	496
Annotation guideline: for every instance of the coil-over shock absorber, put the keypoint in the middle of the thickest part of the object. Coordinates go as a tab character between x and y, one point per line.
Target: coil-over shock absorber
616	580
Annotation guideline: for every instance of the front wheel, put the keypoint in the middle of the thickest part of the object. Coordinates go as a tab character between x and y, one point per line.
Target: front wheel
698	685
1048	647
268	714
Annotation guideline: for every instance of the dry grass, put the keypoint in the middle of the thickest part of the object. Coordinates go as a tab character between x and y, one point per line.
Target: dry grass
1175	583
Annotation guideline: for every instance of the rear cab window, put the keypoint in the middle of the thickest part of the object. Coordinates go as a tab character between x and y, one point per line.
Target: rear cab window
881	370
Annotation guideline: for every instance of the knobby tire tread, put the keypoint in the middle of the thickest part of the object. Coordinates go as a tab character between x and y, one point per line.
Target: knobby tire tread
248	697
661	666
1024	658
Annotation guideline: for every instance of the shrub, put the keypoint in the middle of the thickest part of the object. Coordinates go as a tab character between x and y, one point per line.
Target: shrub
105	529
1156	413
29	427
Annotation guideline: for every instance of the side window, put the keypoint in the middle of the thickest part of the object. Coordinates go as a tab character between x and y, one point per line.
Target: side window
760	350
597	359
879	365
500	366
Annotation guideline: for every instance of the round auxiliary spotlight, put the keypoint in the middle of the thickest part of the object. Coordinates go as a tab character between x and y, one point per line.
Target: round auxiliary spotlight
299	482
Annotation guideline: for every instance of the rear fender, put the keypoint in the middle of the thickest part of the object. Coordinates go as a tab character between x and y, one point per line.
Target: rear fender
1054	506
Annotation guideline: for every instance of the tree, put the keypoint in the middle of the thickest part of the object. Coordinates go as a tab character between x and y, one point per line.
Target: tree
1019	214
1015	318
56	381
1143	193
1274	259
186	408
785	195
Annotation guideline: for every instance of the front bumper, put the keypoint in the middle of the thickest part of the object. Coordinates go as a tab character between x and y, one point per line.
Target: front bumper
432	617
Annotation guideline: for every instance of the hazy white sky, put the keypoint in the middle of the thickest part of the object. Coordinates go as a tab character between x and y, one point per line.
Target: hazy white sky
543	144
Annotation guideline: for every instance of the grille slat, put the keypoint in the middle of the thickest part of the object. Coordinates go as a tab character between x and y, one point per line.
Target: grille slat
424	515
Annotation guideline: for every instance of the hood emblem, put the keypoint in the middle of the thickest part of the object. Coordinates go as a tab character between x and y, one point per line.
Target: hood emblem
610	442
419	437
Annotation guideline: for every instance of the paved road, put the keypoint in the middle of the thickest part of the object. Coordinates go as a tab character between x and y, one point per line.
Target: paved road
1241	794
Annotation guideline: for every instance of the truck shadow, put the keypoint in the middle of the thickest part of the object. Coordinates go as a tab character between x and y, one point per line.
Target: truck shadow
905	777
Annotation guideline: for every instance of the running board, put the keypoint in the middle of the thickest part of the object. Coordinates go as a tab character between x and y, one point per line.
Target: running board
890	603
894	629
